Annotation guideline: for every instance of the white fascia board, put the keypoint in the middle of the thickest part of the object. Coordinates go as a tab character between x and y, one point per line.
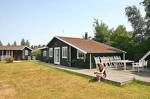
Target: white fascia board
27	47
147	54
71	45
50	41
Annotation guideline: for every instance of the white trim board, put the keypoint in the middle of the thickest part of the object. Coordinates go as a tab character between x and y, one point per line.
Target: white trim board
56	48
63	49
71	45
26	47
147	54
67	43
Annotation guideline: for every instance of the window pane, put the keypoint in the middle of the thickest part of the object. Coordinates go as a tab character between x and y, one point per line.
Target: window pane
64	52
44	53
50	52
26	52
80	55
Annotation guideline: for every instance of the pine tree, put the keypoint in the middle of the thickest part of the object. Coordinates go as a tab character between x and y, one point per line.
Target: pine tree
39	46
1	44
27	43
22	42
32	47
14	44
8	44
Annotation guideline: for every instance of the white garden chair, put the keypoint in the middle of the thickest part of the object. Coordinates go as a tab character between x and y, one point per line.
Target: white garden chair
105	61
97	61
139	65
145	63
111	63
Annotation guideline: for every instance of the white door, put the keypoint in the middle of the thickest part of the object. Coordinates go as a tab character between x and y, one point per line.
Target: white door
57	55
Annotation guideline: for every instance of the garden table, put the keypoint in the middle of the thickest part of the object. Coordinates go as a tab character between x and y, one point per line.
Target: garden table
122	61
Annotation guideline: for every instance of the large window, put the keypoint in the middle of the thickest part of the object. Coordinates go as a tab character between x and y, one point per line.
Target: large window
26	52
80	55
64	52
44	53
50	52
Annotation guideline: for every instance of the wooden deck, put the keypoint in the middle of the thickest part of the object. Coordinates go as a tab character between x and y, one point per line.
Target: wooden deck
118	76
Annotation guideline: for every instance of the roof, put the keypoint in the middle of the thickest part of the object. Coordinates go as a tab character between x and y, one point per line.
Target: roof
42	48
89	46
13	47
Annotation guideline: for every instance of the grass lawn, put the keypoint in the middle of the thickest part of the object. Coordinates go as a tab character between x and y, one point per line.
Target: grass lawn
30	80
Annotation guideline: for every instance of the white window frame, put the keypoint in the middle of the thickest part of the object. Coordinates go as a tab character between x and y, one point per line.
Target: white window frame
65	54
50	52
26	52
56	55
78	56
44	53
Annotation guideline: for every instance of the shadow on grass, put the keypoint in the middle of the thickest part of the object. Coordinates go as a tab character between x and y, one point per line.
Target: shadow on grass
142	82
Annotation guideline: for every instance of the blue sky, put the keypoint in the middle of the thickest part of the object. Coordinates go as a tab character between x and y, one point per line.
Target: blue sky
40	20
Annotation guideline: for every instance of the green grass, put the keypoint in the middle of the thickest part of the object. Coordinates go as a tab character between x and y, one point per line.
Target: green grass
30	80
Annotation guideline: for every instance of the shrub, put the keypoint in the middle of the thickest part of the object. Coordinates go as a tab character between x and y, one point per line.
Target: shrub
37	54
79	63
9	59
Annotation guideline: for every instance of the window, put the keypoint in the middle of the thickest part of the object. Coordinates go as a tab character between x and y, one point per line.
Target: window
50	52
44	53
26	52
64	52
80	55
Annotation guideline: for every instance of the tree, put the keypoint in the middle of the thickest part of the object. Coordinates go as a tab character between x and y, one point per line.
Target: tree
32	47
146	4
39	46
35	47
145	45
121	38
43	45
137	22
23	42
8	44
27	43
37	54
14	44
1	44
102	33
141	27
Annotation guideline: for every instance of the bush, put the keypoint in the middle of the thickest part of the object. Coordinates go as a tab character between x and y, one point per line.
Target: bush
9	59
37	54
80	63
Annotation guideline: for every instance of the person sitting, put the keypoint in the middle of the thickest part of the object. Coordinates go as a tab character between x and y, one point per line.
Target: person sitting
101	73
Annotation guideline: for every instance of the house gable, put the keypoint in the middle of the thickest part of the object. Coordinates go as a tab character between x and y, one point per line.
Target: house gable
67	44
56	43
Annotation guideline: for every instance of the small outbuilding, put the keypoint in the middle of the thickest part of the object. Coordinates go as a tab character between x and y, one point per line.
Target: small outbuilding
17	52
77	52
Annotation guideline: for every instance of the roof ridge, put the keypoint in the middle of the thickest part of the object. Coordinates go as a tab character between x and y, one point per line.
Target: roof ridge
70	37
